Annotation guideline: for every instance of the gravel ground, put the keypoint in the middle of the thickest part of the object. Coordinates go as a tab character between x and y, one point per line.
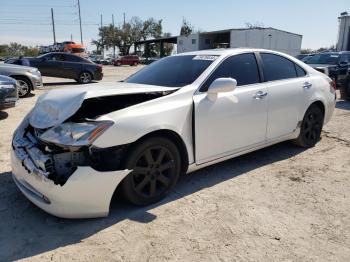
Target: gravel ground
281	203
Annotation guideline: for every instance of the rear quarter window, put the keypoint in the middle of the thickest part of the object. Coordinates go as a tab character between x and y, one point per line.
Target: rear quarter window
300	71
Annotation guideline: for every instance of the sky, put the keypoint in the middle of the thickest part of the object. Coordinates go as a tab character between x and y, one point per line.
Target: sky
28	22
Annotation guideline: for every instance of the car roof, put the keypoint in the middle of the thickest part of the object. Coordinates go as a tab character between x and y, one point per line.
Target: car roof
230	51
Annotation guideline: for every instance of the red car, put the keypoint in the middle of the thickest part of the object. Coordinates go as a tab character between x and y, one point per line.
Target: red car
132	60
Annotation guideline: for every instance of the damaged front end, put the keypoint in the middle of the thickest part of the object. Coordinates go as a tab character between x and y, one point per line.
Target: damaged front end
57	152
54	162
66	181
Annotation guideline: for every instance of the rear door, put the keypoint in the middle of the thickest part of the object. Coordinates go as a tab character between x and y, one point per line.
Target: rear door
290	91
236	120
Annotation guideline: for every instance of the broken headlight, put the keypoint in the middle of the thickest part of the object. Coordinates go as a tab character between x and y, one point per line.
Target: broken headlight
75	134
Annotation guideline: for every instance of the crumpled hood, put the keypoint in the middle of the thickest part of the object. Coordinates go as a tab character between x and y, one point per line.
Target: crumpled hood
55	106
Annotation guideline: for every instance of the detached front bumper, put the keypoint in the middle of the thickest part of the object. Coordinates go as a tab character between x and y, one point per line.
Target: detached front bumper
86	194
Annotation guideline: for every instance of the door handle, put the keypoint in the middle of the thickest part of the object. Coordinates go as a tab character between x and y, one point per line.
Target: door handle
307	85
260	94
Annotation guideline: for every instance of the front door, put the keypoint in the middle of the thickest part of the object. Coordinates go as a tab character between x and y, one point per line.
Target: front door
235	120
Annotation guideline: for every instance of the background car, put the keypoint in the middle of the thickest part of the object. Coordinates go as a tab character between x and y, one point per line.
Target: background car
132	60
337	66
60	64
8	92
28	78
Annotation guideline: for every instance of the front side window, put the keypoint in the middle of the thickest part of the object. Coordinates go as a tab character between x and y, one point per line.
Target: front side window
276	67
173	71
242	67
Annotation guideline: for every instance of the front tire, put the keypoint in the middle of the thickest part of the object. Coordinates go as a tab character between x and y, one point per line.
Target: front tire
311	127
156	165
24	86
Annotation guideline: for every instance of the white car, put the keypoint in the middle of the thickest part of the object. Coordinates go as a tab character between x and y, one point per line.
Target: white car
177	115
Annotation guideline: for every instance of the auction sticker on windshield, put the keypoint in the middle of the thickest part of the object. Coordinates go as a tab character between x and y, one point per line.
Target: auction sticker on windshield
205	57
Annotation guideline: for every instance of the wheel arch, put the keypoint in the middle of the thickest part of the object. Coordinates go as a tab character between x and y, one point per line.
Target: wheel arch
320	104
176	139
15	76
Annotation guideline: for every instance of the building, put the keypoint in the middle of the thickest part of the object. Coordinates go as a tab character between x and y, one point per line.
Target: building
267	38
343	43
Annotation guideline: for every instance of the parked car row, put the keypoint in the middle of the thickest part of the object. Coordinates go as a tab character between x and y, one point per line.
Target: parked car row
334	64
28	78
63	65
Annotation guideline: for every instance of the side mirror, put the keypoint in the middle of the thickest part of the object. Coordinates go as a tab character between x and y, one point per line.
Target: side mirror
343	63
221	85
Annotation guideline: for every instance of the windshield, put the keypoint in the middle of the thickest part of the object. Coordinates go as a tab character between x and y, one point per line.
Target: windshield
330	59
173	71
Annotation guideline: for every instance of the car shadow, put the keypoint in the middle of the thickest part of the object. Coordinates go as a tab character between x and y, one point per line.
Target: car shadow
342	104
28	96
60	83
26	231
3	115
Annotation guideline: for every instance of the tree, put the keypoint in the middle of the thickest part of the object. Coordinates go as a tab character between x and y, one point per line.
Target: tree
186	28
124	36
256	25
15	49
99	46
168	47
30	51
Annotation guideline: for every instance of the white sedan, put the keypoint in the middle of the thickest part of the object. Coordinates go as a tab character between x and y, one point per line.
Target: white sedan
179	114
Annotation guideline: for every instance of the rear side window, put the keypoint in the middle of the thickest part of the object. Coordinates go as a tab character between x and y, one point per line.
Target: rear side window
72	58
277	67
242	67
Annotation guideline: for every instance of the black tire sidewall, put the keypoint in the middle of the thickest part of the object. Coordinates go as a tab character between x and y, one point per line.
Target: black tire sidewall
301	139
133	154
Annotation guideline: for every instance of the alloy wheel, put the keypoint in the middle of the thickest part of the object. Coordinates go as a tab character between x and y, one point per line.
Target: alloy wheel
85	77
22	87
312	127
153	172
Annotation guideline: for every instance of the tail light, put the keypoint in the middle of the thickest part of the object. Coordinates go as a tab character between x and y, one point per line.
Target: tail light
332	86
99	68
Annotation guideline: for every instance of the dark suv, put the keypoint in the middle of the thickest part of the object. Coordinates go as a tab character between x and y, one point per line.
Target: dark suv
336	65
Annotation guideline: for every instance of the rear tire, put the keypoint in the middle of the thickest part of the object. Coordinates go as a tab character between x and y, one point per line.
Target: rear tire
24	86
156	165
85	77
311	127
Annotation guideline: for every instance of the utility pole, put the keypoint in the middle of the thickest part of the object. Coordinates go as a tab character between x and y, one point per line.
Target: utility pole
71	37
81	31
124	20
113	20
53	27
102	46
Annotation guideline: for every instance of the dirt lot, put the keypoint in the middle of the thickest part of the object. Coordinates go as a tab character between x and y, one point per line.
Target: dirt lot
277	204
